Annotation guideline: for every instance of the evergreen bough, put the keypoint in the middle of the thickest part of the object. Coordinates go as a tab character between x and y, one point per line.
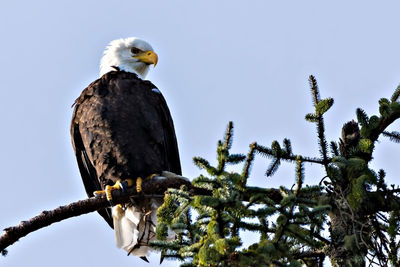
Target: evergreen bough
351	216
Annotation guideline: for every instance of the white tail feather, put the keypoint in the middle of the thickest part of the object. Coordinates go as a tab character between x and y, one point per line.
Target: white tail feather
135	226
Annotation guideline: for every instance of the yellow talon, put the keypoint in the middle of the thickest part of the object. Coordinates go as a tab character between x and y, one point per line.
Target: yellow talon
129	182
152	175
139	184
98	193
118	185
108	190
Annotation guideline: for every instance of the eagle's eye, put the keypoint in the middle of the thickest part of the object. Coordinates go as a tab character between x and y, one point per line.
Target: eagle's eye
135	50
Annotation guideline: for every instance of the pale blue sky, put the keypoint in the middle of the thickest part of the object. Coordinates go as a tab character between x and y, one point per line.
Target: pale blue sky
245	61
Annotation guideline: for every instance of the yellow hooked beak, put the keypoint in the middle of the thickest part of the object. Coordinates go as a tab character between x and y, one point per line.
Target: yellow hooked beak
148	57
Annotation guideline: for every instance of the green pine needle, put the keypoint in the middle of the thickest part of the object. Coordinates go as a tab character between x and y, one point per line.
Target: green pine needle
384	107
273	167
204	164
396	94
287	147
314	89
362	117
323	106
393	136
299	175
264	151
228	136
311	117
248	164
235	158
334	149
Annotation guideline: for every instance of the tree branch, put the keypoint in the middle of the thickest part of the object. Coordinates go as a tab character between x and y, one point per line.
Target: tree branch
45	218
151	188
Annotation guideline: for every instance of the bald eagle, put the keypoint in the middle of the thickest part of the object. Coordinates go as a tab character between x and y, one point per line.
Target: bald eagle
122	132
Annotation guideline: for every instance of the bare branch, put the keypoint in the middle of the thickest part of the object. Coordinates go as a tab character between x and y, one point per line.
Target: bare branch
151	188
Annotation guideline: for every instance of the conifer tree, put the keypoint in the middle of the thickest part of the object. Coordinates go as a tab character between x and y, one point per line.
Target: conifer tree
351	216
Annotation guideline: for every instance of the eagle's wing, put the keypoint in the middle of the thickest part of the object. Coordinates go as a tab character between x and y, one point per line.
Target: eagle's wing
88	172
170	143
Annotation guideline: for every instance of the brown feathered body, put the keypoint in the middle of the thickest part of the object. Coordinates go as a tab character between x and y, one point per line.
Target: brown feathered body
122	128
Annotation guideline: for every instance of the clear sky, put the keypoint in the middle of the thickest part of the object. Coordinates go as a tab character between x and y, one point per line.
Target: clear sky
245	61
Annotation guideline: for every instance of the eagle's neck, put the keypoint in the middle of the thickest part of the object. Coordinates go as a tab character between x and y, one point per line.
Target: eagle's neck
141	72
110	61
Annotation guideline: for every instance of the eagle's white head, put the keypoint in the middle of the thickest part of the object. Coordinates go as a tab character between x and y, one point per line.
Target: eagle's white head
130	54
